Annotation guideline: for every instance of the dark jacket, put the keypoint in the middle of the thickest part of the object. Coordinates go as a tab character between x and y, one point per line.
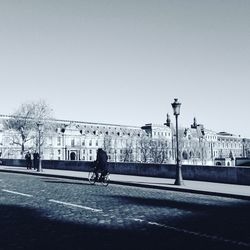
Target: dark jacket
101	159
28	157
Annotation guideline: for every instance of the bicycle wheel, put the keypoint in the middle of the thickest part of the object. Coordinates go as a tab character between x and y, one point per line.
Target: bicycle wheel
91	177
105	180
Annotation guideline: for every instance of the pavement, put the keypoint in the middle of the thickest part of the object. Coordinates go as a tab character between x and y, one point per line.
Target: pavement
198	187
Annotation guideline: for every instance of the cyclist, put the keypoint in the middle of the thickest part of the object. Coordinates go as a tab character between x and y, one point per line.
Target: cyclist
101	164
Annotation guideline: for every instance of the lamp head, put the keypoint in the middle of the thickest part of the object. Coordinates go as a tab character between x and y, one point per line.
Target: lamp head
39	125
176	106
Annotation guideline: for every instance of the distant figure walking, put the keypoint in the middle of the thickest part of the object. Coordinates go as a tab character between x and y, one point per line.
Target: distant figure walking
35	160
28	160
101	163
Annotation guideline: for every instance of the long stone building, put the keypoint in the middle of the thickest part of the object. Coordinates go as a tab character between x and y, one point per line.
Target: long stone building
77	140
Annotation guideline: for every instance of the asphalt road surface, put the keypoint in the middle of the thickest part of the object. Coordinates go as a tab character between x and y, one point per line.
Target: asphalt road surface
50	213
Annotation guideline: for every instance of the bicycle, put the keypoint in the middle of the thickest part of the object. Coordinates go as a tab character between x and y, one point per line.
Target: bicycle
104	180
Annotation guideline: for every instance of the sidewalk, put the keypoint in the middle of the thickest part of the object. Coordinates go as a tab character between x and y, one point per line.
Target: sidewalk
199	187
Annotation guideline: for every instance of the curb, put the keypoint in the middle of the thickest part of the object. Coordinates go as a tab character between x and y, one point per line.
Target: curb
134	184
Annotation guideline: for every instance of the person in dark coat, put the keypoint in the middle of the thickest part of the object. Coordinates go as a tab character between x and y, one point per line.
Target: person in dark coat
35	160
28	160
101	163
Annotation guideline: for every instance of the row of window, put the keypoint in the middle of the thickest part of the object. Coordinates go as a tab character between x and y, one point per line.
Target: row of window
110	133
162	134
229	145
73	142
228	140
210	137
83	143
92	151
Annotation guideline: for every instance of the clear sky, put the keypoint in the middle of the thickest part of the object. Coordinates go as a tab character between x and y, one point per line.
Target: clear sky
124	61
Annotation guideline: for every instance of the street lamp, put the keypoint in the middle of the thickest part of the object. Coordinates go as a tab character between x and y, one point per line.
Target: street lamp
64	153
22	136
176	108
168	124
39	126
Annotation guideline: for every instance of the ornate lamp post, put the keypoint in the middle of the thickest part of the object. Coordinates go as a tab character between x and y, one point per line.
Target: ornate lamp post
64	152
22	136
39	126
176	108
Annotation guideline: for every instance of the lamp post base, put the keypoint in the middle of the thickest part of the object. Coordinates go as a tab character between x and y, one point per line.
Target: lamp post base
39	169
178	180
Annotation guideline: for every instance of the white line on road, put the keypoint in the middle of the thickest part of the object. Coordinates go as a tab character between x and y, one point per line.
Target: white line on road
13	192
75	205
198	234
139	220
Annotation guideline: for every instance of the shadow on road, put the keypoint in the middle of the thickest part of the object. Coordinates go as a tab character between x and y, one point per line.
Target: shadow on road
25	228
227	218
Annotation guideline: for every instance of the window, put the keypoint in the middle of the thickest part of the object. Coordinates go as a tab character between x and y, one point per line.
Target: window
58	141
96	143
90	143
50	140
83	143
90	158
59	151
90	151
72	142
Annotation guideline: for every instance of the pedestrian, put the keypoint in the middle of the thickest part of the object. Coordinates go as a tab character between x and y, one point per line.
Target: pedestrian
101	164
35	160
28	160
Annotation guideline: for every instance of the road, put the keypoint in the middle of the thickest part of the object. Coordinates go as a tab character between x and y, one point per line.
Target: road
51	213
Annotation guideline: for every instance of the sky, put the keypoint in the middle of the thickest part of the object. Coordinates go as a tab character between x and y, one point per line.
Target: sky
124	61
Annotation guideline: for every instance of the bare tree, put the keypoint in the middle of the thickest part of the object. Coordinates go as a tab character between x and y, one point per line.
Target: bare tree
144	148
159	150
23	123
128	151
107	144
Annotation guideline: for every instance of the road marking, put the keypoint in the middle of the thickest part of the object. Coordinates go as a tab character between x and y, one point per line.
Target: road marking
13	192
198	234
140	220
75	205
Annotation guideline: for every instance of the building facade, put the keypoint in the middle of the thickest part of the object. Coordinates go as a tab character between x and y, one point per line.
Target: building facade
77	140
